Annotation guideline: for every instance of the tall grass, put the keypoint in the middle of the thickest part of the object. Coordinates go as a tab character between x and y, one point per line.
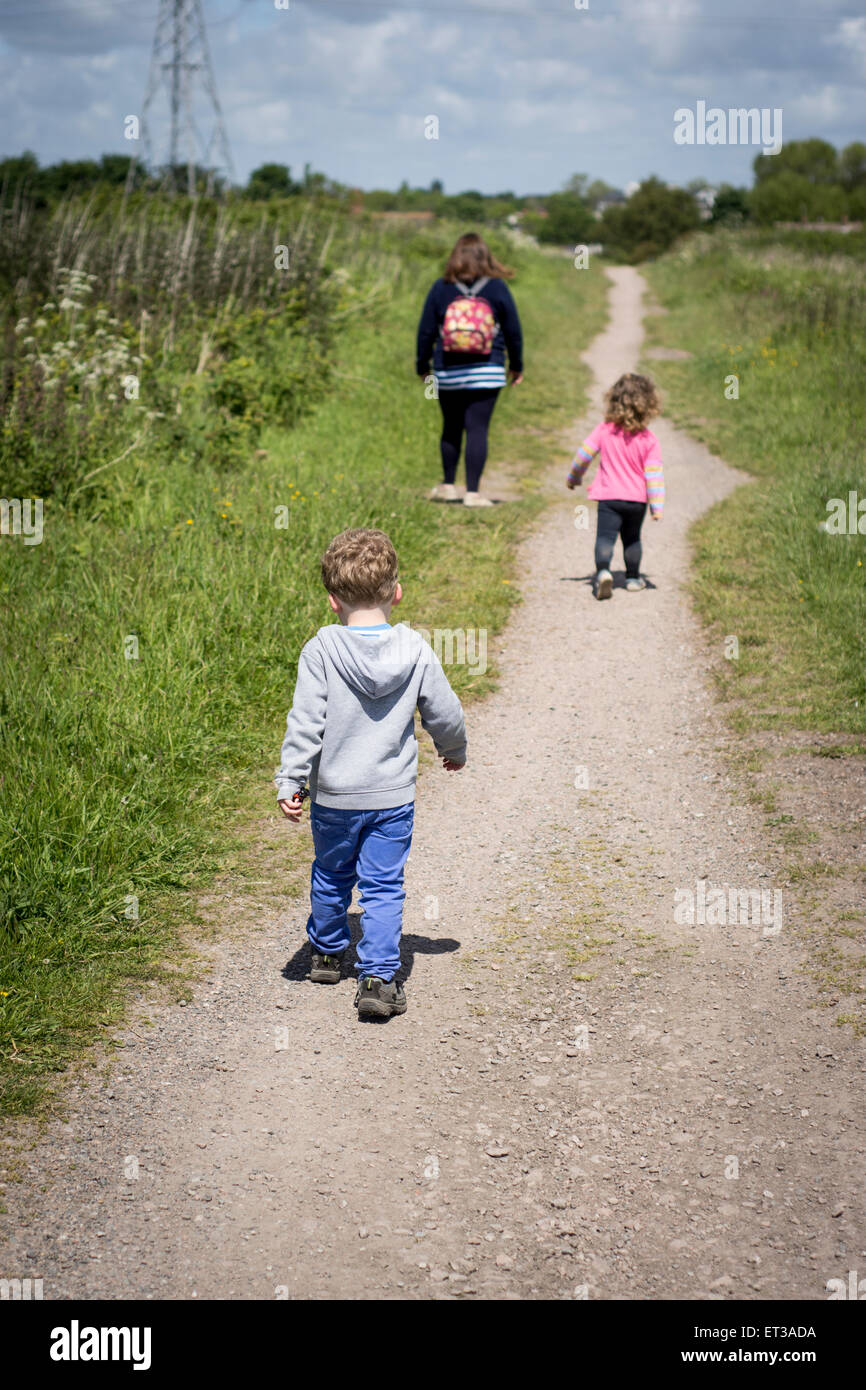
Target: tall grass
183	325
170	257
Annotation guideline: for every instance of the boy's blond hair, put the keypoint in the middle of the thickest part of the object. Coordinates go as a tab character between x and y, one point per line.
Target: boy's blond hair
360	567
631	402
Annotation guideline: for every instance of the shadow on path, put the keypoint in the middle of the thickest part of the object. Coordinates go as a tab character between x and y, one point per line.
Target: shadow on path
589	579
298	968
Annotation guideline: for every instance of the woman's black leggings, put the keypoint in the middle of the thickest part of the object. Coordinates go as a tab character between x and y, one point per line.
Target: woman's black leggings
615	518
466	412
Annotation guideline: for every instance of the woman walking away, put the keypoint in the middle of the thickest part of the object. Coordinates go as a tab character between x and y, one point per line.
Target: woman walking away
471	318
629	475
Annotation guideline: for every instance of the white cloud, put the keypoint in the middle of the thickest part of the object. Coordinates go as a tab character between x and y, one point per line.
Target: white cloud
548	74
851	35
661	27
452	103
821	107
269	122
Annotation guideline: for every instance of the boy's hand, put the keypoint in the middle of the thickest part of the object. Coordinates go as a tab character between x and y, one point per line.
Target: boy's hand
450	765
291	809
516	378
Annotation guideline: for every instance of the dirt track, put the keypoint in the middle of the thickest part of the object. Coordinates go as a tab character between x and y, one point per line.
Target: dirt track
519	1133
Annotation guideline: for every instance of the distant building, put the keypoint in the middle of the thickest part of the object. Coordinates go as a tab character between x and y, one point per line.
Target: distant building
412	217
514	219
610	200
818	226
705	199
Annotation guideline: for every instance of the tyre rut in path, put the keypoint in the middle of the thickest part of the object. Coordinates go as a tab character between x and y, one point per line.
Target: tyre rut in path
519	1132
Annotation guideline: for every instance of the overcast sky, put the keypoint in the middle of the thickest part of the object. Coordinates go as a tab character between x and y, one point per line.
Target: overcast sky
525	93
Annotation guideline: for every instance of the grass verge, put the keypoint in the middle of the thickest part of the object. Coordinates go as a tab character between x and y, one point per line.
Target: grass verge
151	641
787	334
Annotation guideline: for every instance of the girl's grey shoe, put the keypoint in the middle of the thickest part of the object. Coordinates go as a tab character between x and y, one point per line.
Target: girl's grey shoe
634	585
603	584
379	998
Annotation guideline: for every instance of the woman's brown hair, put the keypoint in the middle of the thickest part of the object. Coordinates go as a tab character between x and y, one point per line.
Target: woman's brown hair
631	402
471	258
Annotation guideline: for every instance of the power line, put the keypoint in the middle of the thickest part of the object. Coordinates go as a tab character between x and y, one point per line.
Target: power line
562	13
60	10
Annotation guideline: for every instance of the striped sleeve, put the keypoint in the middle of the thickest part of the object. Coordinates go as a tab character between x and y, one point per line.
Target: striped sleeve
655	482
584	457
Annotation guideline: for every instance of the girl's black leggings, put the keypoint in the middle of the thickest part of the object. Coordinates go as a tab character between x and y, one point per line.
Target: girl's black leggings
466	412
614	519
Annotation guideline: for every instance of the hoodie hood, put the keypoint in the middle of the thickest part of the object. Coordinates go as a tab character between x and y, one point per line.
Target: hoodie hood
375	663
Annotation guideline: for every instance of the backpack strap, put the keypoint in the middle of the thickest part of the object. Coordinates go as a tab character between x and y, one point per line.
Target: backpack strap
472	290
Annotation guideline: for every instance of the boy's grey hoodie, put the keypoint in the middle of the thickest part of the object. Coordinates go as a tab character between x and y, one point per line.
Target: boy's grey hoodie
350	731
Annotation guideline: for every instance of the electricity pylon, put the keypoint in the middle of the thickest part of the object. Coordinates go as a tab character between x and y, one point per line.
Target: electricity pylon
180	62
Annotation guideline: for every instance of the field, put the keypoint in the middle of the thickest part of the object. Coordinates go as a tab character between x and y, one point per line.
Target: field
199	421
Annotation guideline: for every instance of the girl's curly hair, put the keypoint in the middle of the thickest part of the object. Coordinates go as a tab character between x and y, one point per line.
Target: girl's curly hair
631	402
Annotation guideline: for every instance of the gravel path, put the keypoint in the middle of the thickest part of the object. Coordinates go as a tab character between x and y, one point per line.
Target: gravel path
674	1124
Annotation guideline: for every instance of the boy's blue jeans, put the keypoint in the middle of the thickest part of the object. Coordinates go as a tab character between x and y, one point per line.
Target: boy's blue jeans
369	848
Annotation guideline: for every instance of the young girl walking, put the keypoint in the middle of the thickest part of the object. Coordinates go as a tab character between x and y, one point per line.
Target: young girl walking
629	476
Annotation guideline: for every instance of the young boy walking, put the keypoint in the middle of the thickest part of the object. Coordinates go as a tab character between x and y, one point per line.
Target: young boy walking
350	733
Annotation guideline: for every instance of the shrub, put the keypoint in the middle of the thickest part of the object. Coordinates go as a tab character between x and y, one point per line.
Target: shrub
649	222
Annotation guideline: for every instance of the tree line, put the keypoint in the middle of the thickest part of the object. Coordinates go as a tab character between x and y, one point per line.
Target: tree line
807	180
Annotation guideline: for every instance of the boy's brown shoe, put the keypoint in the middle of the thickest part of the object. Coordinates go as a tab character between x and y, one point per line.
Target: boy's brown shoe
379	998
325	970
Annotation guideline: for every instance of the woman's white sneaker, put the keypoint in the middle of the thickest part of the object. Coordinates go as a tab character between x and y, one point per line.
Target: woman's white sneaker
603	584
634	585
474	499
444	492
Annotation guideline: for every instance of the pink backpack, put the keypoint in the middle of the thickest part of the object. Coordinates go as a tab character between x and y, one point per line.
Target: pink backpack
469	325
